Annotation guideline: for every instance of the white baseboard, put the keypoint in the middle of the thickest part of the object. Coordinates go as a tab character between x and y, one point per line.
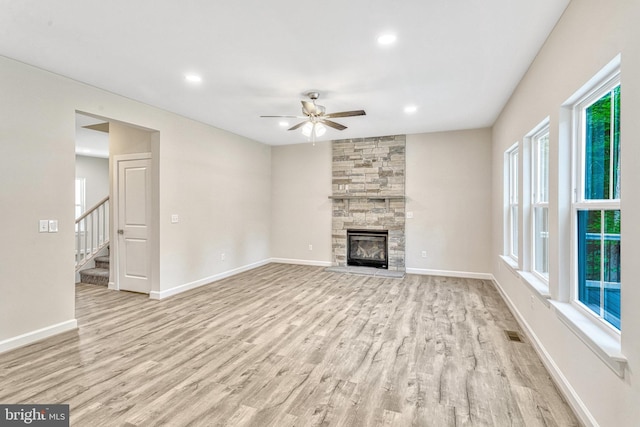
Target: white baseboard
448	273
560	380
40	334
301	262
201	282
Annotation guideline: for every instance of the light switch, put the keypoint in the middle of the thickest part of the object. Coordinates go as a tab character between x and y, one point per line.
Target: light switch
175	219
53	226
44	226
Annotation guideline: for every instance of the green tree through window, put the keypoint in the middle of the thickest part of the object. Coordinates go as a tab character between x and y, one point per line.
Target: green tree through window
599	280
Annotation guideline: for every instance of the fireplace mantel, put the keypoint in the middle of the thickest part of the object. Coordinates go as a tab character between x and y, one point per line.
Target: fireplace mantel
347	197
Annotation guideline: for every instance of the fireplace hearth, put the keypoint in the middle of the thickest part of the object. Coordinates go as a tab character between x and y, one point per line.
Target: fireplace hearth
367	248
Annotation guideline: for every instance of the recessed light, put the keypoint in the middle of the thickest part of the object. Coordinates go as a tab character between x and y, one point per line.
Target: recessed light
410	109
386	39
193	78
283	124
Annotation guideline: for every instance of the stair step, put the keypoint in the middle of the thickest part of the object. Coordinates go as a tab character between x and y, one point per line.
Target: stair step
95	276
102	261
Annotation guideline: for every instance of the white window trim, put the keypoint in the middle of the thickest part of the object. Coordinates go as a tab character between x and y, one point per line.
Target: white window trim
604	343
542	129
81	185
511	200
594	92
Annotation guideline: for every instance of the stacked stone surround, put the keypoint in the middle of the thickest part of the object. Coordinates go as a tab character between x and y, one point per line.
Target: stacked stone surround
365	171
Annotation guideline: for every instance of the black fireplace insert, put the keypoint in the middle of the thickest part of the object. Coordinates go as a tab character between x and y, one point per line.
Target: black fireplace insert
367	248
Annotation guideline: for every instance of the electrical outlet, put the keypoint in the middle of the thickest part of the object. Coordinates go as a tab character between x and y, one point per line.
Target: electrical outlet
424	254
310	247
175	219
222	256
409	215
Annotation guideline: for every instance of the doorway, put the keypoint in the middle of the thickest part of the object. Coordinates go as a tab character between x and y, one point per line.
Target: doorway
132	189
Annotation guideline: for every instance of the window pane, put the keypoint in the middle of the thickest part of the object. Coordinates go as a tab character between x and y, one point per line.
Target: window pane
612	267
514	177
514	230
597	149
543	168
589	265
599	263
616	143
541	236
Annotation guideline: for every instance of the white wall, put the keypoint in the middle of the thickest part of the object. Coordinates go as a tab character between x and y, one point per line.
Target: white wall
95	171
219	184
589	35
448	189
37	172
300	207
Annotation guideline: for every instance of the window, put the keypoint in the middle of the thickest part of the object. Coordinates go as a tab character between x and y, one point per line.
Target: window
540	203
596	207
80	199
511	174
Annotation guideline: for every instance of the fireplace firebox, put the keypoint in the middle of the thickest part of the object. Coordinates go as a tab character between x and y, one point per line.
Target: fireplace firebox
367	248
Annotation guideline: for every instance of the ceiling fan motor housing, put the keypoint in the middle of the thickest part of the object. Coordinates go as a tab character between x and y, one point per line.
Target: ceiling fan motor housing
313	95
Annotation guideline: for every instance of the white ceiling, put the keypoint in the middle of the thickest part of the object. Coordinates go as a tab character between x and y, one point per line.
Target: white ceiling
458	61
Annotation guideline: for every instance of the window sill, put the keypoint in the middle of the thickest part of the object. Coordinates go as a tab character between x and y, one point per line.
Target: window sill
537	286
511	263
606	346
603	344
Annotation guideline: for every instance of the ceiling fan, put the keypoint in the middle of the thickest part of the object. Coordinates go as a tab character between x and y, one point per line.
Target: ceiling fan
316	118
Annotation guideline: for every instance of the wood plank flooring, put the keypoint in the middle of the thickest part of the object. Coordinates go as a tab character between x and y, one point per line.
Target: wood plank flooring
287	345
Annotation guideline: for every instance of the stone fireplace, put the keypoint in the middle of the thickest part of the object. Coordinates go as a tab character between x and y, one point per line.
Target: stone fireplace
368	181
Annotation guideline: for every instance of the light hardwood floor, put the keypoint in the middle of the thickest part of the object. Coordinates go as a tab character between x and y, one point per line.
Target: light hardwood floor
287	345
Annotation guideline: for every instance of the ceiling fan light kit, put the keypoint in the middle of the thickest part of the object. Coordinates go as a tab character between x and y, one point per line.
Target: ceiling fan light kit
307	128
316	119
315	129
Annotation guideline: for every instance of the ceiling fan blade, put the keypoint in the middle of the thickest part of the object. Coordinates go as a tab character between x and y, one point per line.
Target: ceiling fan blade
332	124
308	108
289	117
347	114
299	125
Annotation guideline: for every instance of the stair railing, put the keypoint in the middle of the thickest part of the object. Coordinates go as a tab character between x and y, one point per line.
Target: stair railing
92	232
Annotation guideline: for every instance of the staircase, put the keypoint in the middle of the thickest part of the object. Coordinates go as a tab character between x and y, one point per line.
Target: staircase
99	275
92	239
92	232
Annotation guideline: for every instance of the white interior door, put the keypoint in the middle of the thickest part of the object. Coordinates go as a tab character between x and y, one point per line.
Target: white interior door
134	210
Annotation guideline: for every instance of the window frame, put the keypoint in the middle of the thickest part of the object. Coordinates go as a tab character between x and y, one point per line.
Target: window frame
80	200
536	135
512	157
579	201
